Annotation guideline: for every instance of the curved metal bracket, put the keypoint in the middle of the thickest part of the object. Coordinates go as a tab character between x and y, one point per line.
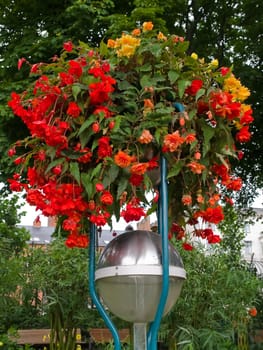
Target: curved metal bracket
93	293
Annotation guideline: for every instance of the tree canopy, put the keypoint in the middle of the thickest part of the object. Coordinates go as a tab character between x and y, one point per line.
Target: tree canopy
224	29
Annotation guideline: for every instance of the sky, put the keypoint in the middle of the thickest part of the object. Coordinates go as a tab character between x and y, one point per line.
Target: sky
31	214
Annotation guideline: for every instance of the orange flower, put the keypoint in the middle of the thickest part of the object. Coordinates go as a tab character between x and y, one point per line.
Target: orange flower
197	155
214	199
190	138
147	26
253	312
146	137
196	167
173	141
200	198
187	199
148	104
111	43
139	168
161	36
122	159
136	32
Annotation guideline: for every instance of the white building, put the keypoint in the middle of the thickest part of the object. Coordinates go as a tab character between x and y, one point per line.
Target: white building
253	241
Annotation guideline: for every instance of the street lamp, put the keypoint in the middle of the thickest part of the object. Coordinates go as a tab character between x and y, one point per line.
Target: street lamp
129	279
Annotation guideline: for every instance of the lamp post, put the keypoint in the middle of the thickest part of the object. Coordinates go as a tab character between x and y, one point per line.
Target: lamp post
129	279
139	275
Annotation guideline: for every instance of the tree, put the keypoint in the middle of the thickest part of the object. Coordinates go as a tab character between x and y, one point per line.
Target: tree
12	243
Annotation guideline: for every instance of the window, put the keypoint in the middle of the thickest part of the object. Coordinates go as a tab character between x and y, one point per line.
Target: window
248	247
247	229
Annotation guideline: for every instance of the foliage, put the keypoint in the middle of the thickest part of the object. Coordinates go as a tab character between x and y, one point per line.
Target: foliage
218	295
58	276
94	145
7	342
213	305
12	243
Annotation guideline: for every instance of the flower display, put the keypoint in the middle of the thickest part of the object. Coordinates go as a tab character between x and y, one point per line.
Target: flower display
99	120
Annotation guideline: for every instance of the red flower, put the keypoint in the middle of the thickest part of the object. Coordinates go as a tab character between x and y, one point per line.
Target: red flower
95	127
11	152
104	148
213	215
77	240
243	135
225	70
136	180
133	212
234	184
66	79
75	69
187	246
106	198
68	46
213	239
20	62
194	87
99	219
99	187
73	110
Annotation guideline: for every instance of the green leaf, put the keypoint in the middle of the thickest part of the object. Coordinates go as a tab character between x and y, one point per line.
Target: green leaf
208	133
145	81
85	136
75	91
111	175
125	85
182	85
54	163
174	171
87	184
96	171
103	49
122	186
200	93
74	171
173	76
91	119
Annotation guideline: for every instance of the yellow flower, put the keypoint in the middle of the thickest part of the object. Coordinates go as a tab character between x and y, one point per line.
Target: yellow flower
147	26
78	337
214	63
231	84
243	93
126	45
235	87
161	36
194	56
1	343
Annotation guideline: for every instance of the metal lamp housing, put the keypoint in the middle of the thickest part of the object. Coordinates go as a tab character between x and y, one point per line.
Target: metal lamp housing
129	276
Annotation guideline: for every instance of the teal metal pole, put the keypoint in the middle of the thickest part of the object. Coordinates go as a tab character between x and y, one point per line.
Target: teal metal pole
163	229
93	294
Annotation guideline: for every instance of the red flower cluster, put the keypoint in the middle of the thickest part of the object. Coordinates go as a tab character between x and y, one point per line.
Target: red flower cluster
51	115
97	131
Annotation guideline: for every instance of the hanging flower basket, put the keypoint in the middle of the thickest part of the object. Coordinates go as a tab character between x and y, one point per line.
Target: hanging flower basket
100	118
